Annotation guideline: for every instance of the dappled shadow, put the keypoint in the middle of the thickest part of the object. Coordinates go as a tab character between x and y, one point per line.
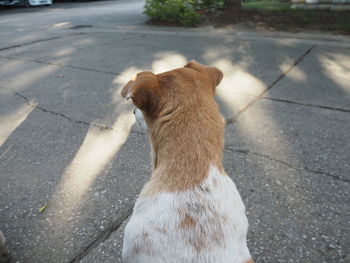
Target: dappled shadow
87	177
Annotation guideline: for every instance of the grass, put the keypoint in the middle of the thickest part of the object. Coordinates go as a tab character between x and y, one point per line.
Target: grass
267	5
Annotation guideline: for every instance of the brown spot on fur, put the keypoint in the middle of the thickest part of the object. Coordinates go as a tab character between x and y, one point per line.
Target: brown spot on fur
143	244
225	218
187	222
206	238
136	249
250	261
202	234
199	244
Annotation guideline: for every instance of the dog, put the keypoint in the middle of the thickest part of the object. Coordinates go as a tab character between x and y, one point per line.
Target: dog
190	209
4	251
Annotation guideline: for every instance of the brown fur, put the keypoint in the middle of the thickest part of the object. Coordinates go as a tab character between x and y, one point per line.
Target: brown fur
188	222
167	101
186	131
143	244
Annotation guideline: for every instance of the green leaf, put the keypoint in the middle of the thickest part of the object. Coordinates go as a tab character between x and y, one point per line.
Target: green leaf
42	209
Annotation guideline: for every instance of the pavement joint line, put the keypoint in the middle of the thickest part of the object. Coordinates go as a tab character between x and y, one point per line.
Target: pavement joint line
247	152
307	104
138	133
239	36
40	40
103	235
102	127
297	103
4	153
61	65
278	79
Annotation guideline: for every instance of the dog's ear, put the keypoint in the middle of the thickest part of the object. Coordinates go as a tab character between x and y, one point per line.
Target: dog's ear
144	89
214	74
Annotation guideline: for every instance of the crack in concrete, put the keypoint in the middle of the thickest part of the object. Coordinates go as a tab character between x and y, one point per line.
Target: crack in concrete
138	133
247	152
279	78
103	235
297	103
307	104
102	127
61	65
40	40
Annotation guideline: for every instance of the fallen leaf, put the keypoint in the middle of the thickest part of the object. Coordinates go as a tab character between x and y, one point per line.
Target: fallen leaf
42	209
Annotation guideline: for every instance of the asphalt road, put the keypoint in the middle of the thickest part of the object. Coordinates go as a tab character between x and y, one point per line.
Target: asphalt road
102	14
72	163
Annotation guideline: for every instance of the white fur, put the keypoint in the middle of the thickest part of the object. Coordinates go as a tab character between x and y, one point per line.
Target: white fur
155	233
140	121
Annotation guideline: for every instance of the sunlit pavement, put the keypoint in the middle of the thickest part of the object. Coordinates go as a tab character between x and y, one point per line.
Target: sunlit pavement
72	163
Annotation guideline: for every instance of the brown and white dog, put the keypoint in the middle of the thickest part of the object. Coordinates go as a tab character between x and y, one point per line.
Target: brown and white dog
190	210
4	251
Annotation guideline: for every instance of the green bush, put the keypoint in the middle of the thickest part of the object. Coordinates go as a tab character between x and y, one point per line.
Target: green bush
177	11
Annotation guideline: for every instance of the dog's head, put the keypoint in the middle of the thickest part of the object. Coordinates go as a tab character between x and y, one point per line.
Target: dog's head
184	89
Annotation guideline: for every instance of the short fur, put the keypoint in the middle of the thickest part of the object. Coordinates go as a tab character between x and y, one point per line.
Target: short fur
190	210
4	251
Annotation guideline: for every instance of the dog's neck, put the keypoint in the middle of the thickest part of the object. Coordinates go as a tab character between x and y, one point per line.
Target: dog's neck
184	147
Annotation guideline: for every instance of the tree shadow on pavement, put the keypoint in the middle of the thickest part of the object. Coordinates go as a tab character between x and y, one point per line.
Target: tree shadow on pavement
72	152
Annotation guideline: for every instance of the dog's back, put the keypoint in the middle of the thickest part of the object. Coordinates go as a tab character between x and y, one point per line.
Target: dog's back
204	224
190	210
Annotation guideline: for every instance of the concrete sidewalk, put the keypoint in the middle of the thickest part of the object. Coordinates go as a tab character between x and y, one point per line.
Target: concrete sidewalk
68	143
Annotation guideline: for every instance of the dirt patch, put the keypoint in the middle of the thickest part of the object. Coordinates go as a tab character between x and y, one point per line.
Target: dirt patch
154	22
291	20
